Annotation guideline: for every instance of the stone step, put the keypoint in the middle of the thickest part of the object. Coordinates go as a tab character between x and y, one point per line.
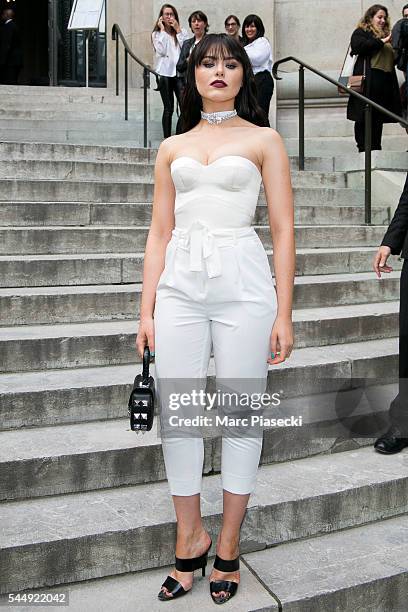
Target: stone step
48	111
337	126
121	239
43	190
129	136
20	151
90	533
40	461
41	214
30	169
76	93
44	347
342	145
380	160
339	162
92	303
39	127
35	399
264	581
110	268
52	106
113	593
121	132
362	568
77	171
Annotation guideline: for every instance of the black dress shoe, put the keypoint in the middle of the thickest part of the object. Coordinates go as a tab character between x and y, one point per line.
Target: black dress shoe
390	442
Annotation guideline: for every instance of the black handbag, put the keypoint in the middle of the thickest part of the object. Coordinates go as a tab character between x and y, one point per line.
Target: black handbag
142	398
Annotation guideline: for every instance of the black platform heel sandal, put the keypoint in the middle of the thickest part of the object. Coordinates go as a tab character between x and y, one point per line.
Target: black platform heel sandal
174	587
229	586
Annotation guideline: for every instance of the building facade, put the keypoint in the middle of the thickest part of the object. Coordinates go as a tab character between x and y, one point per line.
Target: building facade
317	32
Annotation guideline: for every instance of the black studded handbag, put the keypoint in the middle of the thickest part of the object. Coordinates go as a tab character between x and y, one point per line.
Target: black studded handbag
142	398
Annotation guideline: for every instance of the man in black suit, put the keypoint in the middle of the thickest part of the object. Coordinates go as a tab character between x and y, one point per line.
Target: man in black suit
11	55
395	242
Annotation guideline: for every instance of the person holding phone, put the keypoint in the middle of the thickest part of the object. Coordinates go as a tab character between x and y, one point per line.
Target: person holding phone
168	38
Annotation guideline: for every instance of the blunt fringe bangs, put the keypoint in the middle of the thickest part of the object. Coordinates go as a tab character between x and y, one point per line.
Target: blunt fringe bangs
246	104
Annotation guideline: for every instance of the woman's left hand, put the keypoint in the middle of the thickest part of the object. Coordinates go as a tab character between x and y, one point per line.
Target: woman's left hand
175	24
281	340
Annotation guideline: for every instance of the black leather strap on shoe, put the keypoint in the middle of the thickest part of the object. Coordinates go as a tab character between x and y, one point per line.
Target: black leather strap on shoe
185	565
224	565
174	587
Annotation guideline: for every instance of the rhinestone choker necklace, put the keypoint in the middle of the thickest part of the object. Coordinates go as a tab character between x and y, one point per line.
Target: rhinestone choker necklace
218	116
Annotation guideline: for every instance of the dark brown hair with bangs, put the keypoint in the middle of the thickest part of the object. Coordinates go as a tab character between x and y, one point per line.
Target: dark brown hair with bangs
246	104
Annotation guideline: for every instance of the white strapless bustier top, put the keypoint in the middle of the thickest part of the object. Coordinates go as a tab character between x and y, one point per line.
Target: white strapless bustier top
214	203
223	194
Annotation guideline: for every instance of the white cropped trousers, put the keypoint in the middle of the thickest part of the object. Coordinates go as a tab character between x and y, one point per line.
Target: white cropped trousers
216	291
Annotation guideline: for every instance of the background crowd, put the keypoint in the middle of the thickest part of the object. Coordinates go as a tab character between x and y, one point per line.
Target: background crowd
173	46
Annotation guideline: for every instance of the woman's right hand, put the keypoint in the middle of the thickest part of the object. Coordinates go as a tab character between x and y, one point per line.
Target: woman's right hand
380	261
160	23
145	335
387	39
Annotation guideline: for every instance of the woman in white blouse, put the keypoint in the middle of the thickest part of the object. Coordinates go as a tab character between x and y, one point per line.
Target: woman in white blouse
167	39
259	52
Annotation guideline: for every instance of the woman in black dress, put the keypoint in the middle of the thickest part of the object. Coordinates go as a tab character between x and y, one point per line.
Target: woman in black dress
371	42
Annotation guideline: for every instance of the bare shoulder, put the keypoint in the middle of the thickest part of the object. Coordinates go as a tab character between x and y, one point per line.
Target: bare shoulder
266	137
269	137
270	143
169	146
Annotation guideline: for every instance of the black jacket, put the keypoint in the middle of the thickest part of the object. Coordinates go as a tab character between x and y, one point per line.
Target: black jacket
364	44
396	237
10	45
181	67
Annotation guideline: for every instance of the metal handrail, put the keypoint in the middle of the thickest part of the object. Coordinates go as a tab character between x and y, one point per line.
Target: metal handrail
369	105
147	70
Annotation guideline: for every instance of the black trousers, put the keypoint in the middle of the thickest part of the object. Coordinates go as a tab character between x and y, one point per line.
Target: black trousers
381	91
168	87
265	86
399	406
376	134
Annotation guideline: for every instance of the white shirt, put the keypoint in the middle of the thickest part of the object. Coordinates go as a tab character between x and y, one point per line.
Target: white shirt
167	53
260	53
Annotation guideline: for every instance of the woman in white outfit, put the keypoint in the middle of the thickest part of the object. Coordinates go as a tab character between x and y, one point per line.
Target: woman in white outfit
259	52
207	281
167	39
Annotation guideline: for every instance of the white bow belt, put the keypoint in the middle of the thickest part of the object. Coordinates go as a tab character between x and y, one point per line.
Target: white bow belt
204	243
203	246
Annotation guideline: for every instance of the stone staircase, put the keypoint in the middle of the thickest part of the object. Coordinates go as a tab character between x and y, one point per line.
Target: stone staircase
84	501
